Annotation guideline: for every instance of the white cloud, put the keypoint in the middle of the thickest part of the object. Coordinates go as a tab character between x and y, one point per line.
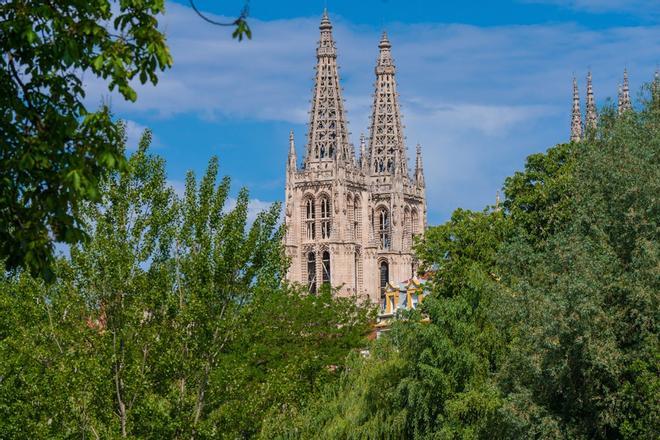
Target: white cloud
478	99
134	132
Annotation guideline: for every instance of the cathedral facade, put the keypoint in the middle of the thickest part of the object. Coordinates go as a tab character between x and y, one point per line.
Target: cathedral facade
351	221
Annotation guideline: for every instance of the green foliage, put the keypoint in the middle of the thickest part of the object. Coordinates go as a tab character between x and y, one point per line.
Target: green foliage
584	359
171	321
538	199
543	318
54	151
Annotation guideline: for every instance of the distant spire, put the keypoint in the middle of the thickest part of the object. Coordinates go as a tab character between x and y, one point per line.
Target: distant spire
591	117
388	154
497	202
419	170
655	88
624	100
328	134
292	153
576	120
364	159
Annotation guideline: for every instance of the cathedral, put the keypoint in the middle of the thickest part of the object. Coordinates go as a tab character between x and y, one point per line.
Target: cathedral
351	221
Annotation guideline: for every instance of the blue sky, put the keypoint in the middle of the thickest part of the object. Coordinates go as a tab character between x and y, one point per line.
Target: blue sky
482	84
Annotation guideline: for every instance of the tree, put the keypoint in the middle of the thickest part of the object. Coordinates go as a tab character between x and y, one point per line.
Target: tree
426	379
584	353
55	151
171	321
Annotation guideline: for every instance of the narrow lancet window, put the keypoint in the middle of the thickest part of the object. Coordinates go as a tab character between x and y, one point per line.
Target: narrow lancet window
310	219
326	267
325	218
311	272
384	278
384	228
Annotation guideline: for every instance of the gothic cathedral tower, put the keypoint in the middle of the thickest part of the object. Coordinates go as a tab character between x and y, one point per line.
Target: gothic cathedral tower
351	223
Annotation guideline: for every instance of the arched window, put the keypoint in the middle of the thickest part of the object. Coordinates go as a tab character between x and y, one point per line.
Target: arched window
384	277
325	217
311	272
310	219
326	267
384	228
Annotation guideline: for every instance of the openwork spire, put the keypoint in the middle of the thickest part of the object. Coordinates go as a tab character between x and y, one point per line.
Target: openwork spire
328	135
419	170
388	154
576	120
624	95
591	117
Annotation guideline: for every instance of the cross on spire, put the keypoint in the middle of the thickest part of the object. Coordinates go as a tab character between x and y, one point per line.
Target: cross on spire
388	154
328	136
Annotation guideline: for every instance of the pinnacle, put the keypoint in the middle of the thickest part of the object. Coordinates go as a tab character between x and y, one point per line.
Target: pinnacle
384	41
325	21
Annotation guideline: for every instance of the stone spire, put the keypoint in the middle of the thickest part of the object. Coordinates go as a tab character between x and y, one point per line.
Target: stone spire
364	158
291	165
388	154
328	136
576	120
591	117
419	170
624	95
655	87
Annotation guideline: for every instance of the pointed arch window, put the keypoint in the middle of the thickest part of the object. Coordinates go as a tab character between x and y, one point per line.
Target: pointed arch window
311	272
310	219
325	263
325	217
384	277
384	228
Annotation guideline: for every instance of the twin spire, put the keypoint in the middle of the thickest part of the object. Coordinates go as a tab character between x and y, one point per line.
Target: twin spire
624	104
328	137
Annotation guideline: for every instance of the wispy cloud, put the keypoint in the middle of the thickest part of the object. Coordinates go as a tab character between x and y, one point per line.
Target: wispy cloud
478	99
134	132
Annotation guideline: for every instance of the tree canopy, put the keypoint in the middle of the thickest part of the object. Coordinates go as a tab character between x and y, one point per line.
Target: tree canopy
543	314
171	321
